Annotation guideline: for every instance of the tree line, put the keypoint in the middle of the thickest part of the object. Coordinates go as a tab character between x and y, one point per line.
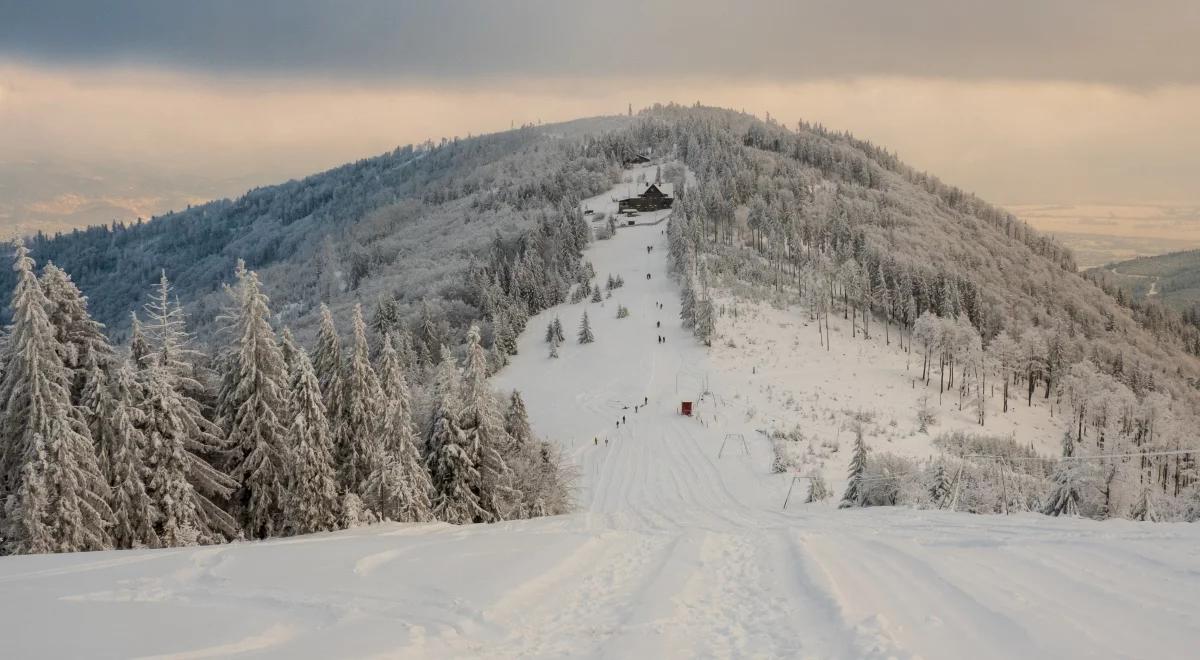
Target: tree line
161	444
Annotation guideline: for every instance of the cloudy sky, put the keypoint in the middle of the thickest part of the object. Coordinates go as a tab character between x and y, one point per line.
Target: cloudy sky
116	109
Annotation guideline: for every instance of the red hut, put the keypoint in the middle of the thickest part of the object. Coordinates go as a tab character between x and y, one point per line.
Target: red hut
685	408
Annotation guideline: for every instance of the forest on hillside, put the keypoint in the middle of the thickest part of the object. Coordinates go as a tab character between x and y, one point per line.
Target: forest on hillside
1170	281
843	228
199	416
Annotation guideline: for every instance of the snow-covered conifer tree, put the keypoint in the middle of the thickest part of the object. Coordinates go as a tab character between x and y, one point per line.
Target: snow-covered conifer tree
362	413
585	335
481	421
399	486
314	504
289	349
452	467
139	344
170	343
81	337
558	330
597	296
939	483
687	308
516	420
252	406
182	483
705	321
36	399
853	495
119	438
328	363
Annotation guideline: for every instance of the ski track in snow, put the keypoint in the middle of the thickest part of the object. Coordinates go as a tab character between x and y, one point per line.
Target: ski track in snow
673	553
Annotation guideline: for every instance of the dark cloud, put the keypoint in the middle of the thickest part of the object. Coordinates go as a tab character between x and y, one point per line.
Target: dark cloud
1107	41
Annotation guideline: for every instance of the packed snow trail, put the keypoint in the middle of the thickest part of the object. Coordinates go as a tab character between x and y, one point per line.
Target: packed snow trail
673	553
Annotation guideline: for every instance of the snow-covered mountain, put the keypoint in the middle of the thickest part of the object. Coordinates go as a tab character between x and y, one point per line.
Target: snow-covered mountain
850	335
680	546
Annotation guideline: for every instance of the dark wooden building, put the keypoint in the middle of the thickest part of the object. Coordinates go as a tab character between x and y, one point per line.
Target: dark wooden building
654	198
638	159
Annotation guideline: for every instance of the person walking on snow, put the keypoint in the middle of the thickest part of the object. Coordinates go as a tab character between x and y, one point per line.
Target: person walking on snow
596	441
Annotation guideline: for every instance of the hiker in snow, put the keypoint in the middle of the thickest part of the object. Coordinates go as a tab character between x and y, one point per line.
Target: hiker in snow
658	324
647	275
595	441
645	401
622	419
606	441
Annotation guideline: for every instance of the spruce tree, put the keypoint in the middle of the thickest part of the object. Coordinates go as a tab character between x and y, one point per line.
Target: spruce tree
452	467
585	330
705	321
597	296
481	421
853	495
139	344
314	504
362	413
252	407
399	487
558	330
182	483
182	444
134	514
402	340
687	308
36	398
536	465
169	340
516	420
328	363
81	337
939	483
289	349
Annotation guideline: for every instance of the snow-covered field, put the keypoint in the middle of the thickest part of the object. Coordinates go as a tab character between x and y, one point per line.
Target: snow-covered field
674	552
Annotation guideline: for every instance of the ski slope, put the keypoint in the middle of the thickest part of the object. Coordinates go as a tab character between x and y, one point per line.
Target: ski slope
674	552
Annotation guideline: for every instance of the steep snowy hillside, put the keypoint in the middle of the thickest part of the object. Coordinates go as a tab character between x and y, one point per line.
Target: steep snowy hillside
675	552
